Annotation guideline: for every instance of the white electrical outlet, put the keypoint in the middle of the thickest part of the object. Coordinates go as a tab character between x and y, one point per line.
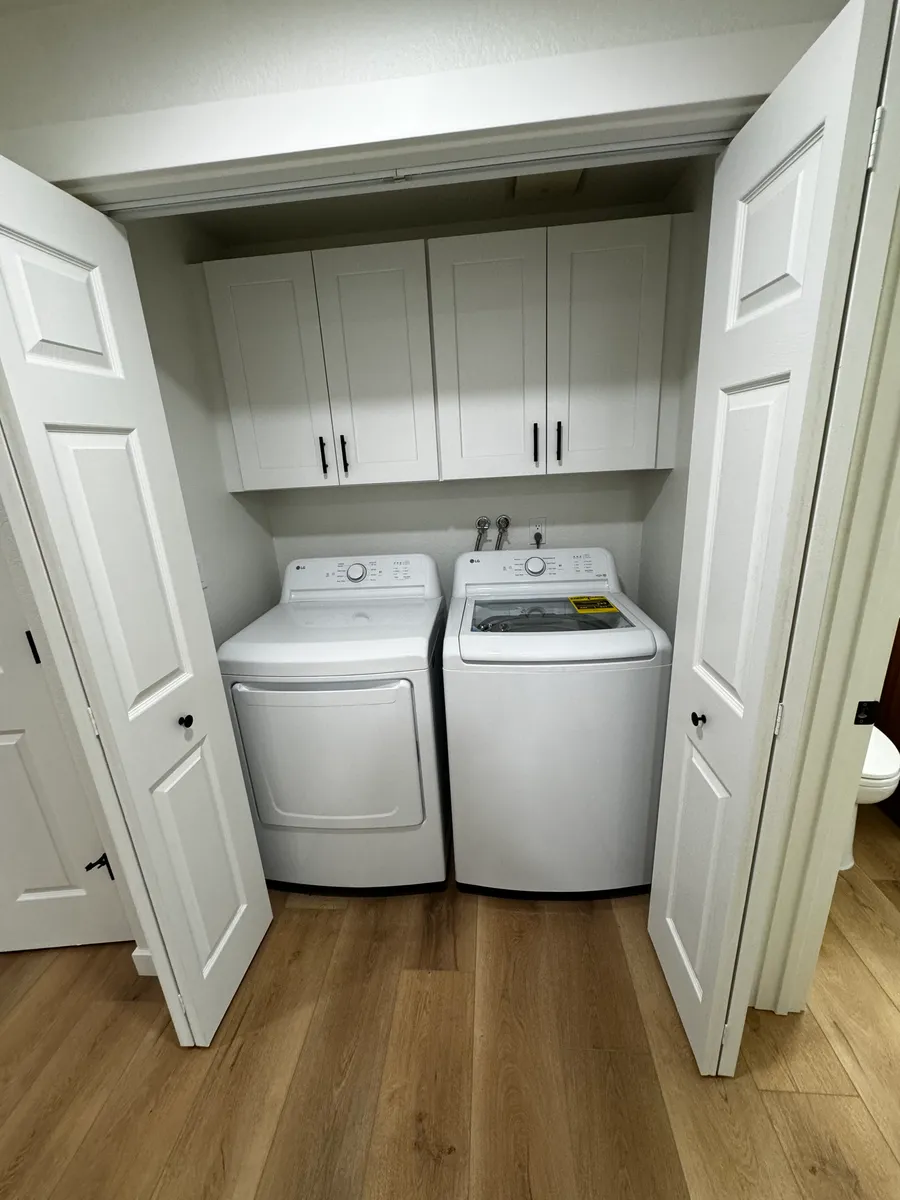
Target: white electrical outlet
537	525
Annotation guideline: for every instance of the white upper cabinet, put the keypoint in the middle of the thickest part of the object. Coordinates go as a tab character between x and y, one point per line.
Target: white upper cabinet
373	307
489	316
606	295
545	346
267	325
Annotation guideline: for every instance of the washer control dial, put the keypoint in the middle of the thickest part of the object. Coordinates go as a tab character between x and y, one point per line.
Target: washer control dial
535	566
356	572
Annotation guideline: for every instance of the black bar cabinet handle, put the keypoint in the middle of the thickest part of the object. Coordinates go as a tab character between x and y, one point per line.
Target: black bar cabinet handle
536	452
344	455
559	441
322	452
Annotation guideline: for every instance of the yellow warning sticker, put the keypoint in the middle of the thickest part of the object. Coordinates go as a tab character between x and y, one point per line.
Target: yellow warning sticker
592	604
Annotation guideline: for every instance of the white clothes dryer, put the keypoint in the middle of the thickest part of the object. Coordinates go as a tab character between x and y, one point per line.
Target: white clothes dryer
335	699
556	688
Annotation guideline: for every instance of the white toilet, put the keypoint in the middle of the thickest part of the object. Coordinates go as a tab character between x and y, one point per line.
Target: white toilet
879	779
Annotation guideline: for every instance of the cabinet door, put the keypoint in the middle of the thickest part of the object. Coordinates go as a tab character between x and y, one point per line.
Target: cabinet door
489	314
606	296
267	325
373	305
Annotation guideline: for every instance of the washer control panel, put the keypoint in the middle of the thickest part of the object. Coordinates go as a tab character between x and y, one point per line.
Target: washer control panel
575	568
309	578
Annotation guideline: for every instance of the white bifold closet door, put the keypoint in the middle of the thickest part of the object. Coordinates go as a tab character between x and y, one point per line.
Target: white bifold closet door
80	404
785	209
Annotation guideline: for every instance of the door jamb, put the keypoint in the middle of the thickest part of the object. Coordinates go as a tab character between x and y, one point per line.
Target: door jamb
103	798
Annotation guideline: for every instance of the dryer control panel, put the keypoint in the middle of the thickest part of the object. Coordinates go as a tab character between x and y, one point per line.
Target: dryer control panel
371	575
576	568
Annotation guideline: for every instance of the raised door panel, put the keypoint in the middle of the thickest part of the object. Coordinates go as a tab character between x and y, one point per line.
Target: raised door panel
193	820
747	439
47	898
489	315
267	325
373	306
105	497
34	862
606	298
48	831
691	913
103	478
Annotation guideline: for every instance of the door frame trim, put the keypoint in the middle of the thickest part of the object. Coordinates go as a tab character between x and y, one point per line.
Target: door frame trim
103	797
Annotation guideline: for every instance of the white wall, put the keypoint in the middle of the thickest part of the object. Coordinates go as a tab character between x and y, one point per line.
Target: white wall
230	533
439	518
663	531
62	60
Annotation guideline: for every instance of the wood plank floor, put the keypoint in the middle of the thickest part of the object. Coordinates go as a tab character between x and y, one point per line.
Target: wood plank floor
443	1047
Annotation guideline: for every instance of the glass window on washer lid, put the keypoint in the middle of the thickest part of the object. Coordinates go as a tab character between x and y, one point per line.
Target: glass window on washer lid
551	614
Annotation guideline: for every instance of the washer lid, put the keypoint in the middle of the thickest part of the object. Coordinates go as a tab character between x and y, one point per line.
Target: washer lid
882	758
533	627
294	640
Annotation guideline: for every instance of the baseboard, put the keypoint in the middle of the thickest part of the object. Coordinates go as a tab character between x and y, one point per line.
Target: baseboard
143	961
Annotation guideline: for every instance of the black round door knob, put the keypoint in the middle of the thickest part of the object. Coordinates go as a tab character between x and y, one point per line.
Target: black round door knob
698	720
187	720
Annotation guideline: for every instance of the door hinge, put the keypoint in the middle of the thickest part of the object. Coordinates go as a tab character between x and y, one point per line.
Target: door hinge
181	1002
779	713
93	721
866	712
876	138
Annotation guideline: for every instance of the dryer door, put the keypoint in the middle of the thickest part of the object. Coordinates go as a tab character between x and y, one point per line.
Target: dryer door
332	756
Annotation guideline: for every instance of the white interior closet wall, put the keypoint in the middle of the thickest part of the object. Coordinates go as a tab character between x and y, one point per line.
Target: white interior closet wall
439	518
231	538
663	530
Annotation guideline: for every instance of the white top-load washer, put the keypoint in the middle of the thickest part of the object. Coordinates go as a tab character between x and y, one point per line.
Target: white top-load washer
335	698
556	687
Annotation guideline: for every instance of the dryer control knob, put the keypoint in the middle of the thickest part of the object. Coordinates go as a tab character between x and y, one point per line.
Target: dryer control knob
356	572
535	566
